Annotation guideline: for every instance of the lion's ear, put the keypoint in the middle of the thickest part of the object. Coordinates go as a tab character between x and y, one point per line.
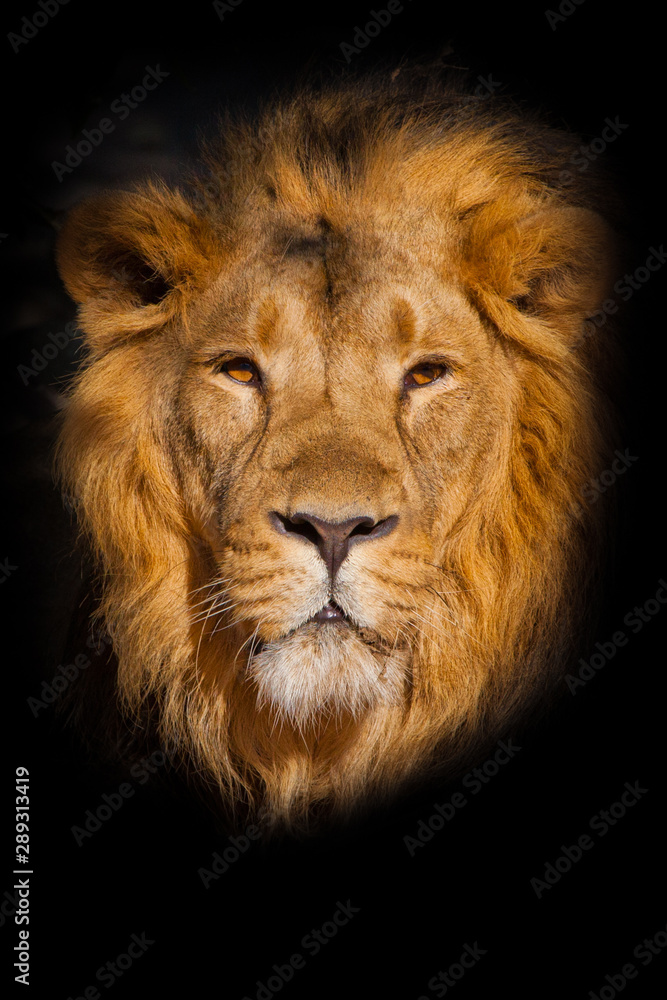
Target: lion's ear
127	257
557	262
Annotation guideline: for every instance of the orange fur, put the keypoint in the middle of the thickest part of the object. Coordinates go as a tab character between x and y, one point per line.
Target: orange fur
338	242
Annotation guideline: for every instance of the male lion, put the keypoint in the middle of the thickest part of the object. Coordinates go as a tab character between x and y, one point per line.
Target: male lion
329	442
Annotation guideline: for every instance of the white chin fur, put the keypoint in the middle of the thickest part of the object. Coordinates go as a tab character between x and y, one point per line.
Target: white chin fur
325	670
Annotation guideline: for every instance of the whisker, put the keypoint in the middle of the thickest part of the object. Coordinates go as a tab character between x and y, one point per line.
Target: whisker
451	621
206	600
421	631
250	637
454	622
223	606
430	624
211	583
468	590
242	603
201	636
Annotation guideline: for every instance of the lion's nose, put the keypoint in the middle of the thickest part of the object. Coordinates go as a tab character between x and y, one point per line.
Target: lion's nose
333	538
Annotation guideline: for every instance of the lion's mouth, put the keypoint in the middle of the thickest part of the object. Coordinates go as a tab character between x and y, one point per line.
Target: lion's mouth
329	614
330	623
332	614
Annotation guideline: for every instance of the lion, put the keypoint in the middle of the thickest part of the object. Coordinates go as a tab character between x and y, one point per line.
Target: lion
328	443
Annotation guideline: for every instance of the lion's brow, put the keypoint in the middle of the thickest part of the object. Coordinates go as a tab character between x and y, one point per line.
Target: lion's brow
300	245
302	242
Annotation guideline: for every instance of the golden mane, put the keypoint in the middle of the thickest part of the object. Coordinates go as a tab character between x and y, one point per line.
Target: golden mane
475	182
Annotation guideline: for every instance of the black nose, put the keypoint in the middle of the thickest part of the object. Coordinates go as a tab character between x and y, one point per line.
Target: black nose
333	538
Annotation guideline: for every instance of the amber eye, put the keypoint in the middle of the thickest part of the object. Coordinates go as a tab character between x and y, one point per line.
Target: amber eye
424	374
241	370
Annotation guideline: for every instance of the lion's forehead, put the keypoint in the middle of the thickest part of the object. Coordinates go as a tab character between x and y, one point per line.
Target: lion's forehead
358	292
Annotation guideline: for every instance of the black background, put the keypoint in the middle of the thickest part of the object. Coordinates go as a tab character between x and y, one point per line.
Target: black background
471	882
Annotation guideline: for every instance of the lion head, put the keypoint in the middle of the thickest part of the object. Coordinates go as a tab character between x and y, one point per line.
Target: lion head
329	439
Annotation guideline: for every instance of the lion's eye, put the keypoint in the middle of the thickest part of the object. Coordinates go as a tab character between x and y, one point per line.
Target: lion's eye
424	375
241	370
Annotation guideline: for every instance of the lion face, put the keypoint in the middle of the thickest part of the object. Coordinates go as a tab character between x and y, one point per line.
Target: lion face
329	443
338	418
